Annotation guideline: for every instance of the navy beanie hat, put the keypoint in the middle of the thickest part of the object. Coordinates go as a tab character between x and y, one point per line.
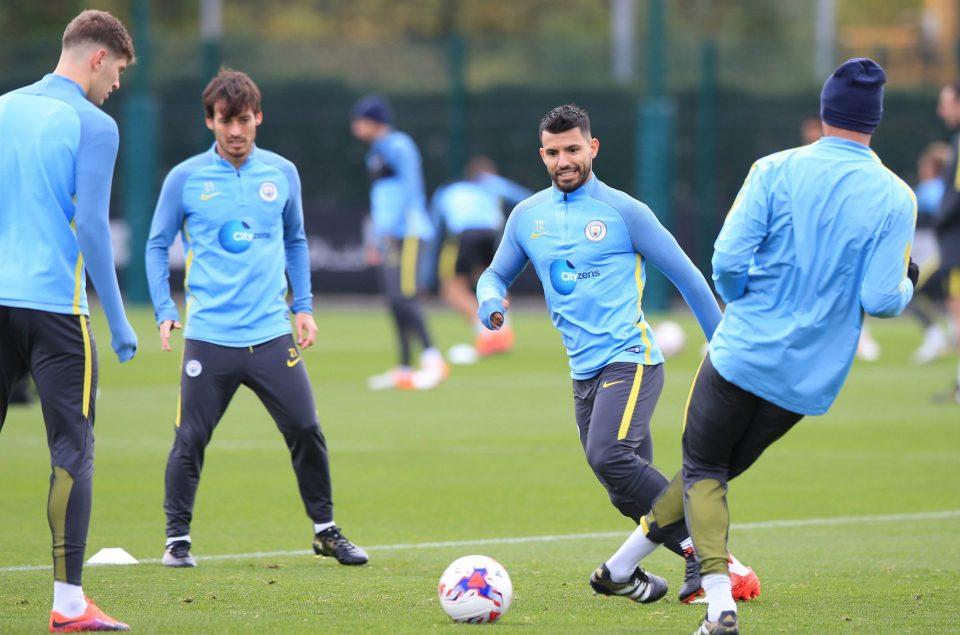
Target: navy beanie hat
852	97
373	107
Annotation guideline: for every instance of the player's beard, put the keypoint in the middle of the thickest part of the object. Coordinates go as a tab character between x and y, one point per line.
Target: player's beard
583	173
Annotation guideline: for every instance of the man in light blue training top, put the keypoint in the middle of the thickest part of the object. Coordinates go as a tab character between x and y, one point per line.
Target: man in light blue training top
470	212
239	210
817	237
57	155
398	207
590	245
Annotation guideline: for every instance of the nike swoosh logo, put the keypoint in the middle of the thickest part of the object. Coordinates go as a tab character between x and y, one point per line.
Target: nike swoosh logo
293	362
607	384
207	197
536	235
57	624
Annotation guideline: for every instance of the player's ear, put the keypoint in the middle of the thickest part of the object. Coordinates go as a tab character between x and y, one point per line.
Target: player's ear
258	117
543	155
594	147
209	121
98	58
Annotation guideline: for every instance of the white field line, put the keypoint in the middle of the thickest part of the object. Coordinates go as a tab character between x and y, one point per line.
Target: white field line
766	524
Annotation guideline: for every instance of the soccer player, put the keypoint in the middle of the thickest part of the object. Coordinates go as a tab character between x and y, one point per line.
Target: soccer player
929	297
590	245
56	168
239	210
948	224
400	227
797	270
471	213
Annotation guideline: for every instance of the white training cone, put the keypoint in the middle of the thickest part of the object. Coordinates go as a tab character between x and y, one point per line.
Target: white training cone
112	555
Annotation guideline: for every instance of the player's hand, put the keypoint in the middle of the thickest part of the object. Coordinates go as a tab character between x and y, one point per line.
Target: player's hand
491	312
306	330
913	272
165	328
123	341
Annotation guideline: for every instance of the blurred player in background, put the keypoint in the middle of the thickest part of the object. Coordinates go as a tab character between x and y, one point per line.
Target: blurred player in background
929	296
795	301
470	211
590	245
239	210
400	228
811	129
56	171
948	224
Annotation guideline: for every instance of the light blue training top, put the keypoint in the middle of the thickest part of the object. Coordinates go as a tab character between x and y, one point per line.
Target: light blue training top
590	248
398	202
243	234
817	236
57	154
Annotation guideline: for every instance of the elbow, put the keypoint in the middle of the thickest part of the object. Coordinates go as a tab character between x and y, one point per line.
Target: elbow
885	305
730	288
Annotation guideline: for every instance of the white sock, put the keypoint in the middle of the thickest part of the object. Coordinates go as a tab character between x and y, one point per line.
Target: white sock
719	595
636	547
68	599
173	539
318	527
430	356
958	375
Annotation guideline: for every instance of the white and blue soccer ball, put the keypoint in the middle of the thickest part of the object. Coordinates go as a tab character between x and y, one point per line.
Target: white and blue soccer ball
475	590
670	337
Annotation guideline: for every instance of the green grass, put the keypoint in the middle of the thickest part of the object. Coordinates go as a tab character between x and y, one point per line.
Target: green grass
491	454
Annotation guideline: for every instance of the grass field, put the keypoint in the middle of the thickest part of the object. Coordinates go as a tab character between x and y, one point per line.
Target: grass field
851	521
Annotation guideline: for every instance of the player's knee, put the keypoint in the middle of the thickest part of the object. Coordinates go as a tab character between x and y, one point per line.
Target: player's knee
610	464
191	438
300	429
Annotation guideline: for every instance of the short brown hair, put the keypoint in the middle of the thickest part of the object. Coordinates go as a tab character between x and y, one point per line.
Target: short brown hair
566	117
99	27
235	90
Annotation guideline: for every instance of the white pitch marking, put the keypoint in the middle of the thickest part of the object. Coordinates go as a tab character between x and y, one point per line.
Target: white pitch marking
766	524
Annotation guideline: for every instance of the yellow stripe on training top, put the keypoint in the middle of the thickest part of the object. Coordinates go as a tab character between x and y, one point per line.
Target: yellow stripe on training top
631	404
408	266
638	274
77	286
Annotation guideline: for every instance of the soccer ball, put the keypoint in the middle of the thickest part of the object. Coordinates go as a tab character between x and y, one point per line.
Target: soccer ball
670	338
475	590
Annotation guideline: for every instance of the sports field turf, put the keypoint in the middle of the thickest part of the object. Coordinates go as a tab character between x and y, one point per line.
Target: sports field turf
851	521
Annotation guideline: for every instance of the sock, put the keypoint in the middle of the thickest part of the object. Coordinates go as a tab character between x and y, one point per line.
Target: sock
719	595
958	375
636	547
68	599
173	539
318	527
430	356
